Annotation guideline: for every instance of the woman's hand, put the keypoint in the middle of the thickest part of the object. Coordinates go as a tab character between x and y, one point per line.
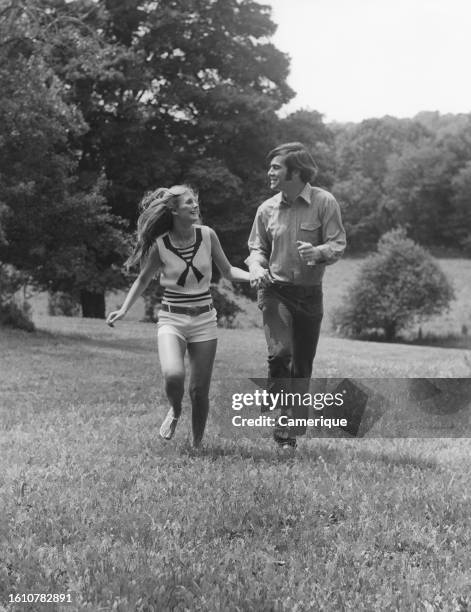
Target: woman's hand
116	315
259	277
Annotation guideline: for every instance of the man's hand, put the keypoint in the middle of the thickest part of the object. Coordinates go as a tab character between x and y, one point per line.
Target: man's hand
307	252
259	277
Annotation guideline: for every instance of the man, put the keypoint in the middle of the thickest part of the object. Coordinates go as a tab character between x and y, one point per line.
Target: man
295	234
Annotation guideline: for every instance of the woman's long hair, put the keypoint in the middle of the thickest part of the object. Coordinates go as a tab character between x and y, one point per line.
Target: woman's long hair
155	219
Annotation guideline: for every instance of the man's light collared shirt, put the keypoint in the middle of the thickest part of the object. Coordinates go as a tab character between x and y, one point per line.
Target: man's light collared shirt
313	217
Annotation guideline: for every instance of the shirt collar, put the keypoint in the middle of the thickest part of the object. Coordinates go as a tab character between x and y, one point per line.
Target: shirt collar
304	196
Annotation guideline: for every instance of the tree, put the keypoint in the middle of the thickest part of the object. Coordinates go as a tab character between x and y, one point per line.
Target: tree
363	152
309	128
360	198
417	189
221	194
180	81
13	312
52	225
167	92
459	220
397	286
365	147
425	187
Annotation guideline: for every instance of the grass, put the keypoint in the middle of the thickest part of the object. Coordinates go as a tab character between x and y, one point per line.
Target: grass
95	505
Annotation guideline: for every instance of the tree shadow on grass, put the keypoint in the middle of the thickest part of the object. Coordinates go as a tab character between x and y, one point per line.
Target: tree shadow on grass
324	453
136	345
452	341
268	453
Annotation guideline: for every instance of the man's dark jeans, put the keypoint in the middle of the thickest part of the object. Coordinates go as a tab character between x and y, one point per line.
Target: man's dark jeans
292	317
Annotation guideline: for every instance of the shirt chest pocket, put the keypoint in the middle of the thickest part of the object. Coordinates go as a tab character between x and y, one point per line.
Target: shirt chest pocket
310	232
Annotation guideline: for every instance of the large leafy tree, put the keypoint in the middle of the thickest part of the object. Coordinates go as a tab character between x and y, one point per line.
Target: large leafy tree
417	189
308	127
458	227
426	186
191	92
365	147
360	197
52	223
363	152
411	172
163	91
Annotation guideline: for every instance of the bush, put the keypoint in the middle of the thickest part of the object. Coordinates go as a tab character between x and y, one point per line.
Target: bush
152	300
224	303
13	313
64	304
11	281
399	285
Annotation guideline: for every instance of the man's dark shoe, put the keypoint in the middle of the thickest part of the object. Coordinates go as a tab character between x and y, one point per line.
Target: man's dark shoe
288	445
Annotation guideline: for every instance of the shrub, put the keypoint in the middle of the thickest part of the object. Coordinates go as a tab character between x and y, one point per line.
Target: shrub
16	315
12	312
397	286
11	281
152	299
226	307
65	304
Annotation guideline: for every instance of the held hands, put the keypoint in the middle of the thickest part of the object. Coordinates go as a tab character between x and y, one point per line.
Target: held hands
307	252
116	315
259	278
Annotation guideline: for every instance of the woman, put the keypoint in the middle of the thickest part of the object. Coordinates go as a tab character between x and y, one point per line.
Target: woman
170	241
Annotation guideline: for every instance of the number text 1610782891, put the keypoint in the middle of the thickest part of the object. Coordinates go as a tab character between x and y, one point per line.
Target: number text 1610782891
40	597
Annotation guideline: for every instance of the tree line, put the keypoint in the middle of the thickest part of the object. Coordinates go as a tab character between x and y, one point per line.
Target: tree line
101	101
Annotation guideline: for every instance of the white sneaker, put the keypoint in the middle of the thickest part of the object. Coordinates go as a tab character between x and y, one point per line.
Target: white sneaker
167	429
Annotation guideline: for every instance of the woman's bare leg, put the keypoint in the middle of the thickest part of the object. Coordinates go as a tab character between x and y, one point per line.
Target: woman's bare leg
201	356
172	362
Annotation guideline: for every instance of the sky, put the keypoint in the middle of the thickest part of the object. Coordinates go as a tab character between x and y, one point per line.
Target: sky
356	59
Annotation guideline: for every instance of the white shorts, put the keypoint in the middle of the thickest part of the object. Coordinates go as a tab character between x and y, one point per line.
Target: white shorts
190	329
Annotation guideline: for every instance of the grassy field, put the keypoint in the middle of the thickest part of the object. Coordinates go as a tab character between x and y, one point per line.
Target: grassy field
95	505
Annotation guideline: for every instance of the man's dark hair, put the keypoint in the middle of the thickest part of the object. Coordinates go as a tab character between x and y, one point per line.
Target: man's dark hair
296	157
